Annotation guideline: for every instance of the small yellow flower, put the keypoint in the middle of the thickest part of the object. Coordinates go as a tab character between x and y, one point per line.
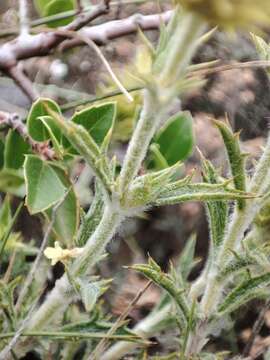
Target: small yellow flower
231	13
56	253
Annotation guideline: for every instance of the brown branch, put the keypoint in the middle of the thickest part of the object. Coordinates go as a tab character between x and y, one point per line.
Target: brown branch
15	123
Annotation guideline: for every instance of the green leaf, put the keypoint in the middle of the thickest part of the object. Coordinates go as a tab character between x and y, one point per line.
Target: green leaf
166	282
91	219
89	293
186	259
15	149
11	181
217	211
262	48
96	325
5	215
35	127
146	188
200	192
236	265
246	291
236	158
46	121
53	7
156	159
175	139
83	142
40	5
2	150
67	215
43	186
97	120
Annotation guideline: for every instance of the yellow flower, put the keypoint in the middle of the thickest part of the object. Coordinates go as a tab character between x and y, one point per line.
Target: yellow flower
56	253
231	13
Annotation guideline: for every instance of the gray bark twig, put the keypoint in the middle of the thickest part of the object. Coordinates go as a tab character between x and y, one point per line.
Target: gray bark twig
14	122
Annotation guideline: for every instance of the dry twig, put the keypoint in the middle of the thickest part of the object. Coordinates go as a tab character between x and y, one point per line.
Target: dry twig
102	344
15	123
256	329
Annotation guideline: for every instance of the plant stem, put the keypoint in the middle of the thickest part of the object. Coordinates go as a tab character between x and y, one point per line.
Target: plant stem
63	293
72	336
95	246
76	103
146	328
29	279
183	44
4	239
154	110
241	220
151	115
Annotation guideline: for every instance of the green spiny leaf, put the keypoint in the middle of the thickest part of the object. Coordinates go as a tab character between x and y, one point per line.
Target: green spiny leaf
236	158
246	291
186	259
235	266
146	188
262	47
200	192
165	281
217	210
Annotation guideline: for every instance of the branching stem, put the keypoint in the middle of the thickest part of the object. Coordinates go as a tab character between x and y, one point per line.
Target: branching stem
239	224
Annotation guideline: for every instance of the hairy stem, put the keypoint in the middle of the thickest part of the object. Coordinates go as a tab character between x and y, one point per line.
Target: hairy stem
183	43
146	328
240	222
151	115
154	110
63	293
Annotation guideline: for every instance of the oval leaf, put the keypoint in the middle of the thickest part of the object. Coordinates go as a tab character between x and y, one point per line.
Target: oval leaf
97	120
67	215
53	7
36	129
175	139
14	159
12	181
43	186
